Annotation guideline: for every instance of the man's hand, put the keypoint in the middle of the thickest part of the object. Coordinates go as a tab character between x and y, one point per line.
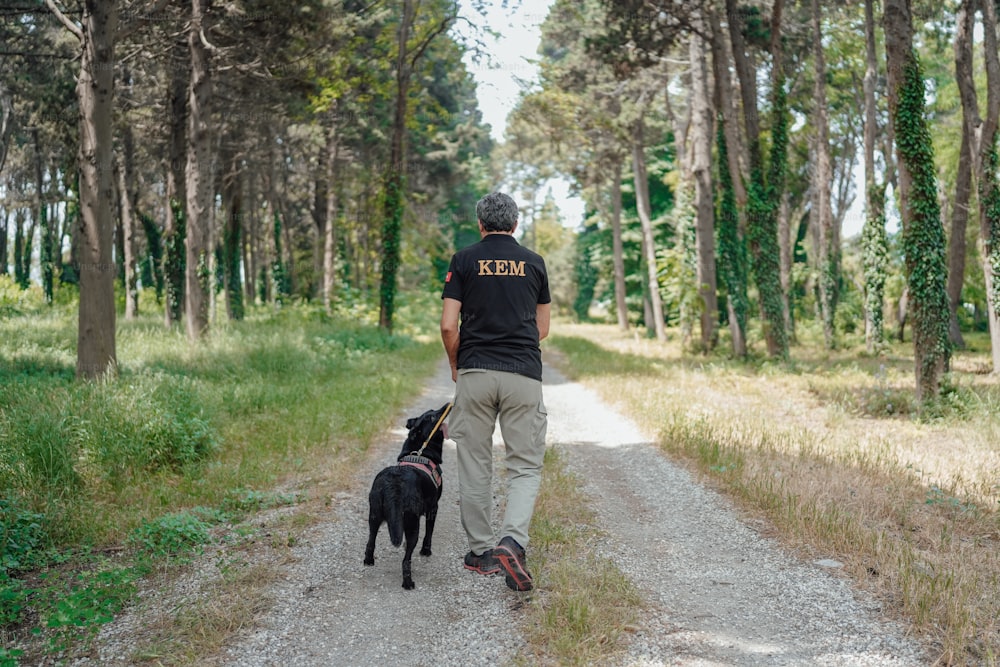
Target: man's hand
450	311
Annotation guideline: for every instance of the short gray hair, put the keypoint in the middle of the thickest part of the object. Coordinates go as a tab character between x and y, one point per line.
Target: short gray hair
497	212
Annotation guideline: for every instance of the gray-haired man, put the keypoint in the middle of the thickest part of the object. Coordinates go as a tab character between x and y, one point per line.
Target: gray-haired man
501	291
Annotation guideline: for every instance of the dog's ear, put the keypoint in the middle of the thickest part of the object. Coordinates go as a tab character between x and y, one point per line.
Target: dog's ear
411	422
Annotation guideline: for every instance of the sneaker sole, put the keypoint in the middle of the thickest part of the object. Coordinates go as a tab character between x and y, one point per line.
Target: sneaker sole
515	575
479	570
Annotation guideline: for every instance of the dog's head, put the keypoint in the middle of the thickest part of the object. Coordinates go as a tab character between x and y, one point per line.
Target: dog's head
423	426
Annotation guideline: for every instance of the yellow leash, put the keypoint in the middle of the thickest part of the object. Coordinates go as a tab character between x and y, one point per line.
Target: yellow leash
434	430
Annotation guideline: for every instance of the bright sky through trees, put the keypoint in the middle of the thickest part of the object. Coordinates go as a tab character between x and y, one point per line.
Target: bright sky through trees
510	70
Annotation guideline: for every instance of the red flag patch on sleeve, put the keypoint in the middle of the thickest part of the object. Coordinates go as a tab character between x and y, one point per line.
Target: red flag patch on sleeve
447	278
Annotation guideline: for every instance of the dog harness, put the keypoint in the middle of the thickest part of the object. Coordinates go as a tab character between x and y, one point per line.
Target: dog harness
424	464
420	462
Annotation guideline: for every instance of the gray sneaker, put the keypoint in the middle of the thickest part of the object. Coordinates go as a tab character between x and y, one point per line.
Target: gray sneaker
483	564
510	555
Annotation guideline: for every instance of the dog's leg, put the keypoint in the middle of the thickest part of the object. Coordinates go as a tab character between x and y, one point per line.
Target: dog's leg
411	528
429	532
373	526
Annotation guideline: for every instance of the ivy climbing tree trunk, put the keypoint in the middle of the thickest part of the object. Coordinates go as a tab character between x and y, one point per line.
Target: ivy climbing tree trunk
732	264
395	177
198	176
923	234
874	242
232	238
765	190
330	232
175	229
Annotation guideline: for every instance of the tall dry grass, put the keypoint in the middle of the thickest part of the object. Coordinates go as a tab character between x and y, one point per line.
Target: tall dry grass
832	450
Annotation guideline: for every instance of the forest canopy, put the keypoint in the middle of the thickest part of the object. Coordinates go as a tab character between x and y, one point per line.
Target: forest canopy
200	159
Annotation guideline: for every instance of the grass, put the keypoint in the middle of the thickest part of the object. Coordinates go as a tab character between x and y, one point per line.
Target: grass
104	484
585	606
833	451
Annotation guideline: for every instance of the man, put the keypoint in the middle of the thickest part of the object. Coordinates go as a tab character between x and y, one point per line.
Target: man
501	291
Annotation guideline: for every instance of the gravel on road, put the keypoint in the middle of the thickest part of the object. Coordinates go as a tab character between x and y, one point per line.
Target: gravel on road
718	592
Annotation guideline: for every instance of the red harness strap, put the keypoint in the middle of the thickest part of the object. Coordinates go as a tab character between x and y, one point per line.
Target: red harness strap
425	464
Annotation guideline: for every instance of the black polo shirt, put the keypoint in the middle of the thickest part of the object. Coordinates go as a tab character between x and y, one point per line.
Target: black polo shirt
500	284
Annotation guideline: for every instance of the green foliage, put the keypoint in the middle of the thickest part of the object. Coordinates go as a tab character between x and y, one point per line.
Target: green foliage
677	266
875	261
21	536
923	235
172	536
391	225
732	251
762	224
90	601
586	271
18	300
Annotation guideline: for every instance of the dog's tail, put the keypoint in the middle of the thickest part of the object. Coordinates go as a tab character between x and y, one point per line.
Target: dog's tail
394	522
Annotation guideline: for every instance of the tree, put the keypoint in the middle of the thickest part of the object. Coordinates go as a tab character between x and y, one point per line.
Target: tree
407	57
923	235
874	245
822	176
701	170
766	187
732	264
197	175
96	353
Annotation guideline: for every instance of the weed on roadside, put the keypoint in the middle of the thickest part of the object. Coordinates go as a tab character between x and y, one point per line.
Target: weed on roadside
584	606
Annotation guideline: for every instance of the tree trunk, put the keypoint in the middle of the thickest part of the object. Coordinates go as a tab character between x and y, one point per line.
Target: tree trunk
956	242
6	123
20	273
988	169
785	250
618	253
128	226
725	106
198	177
826	270
646	219
765	192
964	22
732	248
395	178
96	354
873	238
232	239
42	216
701	170
4	226
330	232
175	229
923	234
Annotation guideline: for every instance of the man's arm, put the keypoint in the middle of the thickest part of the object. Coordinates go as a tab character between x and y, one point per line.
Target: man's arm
450	311
543	313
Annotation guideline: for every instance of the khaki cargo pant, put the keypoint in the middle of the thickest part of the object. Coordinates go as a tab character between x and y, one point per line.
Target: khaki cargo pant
481	396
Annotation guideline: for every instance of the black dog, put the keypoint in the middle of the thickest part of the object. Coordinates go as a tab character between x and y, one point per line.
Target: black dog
402	493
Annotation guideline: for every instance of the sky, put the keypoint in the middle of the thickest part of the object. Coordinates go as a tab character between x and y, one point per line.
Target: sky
499	84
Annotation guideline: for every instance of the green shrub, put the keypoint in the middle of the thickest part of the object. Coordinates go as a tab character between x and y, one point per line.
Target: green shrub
21	536
142	424
172	535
